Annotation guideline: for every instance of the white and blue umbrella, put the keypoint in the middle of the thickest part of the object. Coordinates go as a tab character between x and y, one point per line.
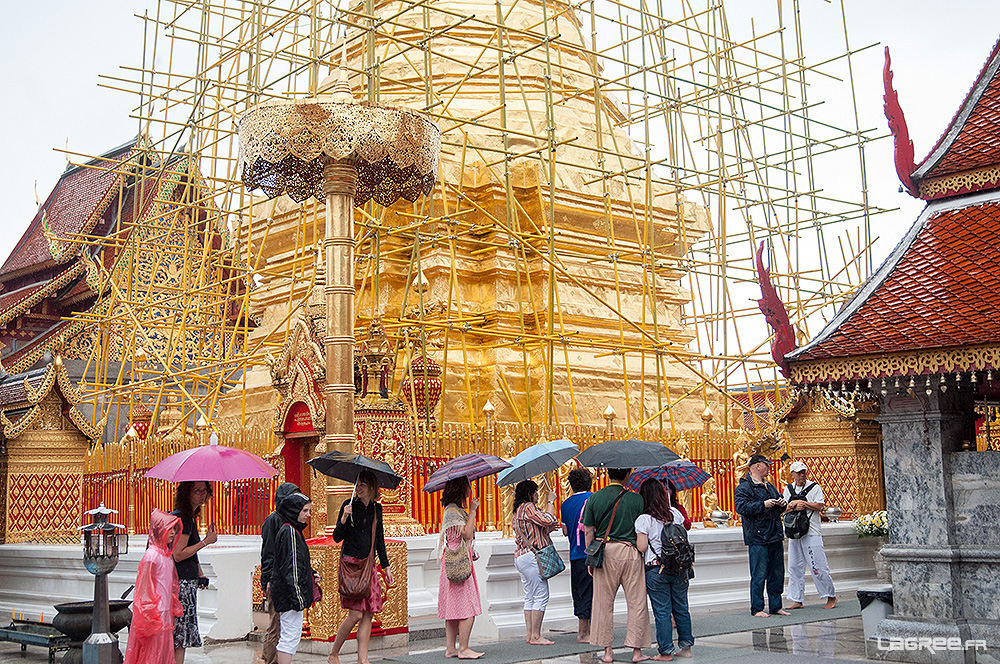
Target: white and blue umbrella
538	460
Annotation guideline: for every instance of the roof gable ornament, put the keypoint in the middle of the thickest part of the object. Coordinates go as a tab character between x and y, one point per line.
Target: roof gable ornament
901	143
775	314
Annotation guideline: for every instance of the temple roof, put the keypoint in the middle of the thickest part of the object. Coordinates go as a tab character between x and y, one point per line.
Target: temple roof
77	201
972	138
940	288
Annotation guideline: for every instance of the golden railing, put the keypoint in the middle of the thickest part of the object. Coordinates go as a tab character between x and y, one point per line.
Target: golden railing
240	507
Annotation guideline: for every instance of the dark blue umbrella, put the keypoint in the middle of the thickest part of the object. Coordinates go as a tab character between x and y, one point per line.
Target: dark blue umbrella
347	467
627	454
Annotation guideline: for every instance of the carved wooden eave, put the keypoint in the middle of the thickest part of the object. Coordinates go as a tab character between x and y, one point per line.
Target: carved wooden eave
54	375
24	305
12	430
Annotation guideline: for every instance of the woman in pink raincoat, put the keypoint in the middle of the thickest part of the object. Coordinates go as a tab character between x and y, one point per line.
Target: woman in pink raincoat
157	604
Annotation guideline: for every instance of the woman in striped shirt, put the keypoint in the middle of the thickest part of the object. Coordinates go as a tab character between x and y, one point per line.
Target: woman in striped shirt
531	532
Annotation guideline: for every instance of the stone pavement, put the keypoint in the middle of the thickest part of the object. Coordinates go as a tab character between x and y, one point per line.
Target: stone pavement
736	637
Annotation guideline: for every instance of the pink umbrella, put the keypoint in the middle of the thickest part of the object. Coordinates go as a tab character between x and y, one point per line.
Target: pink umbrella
211	463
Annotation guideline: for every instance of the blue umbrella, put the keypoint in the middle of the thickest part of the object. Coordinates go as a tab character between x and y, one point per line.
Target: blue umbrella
537	460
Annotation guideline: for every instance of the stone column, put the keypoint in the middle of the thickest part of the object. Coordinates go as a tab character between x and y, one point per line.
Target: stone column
933	594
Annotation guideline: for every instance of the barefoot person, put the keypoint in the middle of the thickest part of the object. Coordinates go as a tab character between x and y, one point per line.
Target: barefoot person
188	501
807	551
667	593
761	506
612	511
458	601
354	529
531	532
581	582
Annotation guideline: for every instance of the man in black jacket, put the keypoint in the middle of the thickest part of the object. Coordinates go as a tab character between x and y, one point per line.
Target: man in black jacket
268	530
761	506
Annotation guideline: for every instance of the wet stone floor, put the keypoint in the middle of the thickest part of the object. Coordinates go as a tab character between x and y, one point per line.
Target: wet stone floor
823	641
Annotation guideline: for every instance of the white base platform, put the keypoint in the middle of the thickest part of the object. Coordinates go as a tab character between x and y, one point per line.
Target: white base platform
33	578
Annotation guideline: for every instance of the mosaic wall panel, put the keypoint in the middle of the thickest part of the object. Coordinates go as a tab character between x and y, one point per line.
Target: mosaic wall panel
44	507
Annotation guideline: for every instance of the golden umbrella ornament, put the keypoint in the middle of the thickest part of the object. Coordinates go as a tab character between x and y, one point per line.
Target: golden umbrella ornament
348	153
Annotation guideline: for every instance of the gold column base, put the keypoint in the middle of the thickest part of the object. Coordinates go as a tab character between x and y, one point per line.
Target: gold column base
326	616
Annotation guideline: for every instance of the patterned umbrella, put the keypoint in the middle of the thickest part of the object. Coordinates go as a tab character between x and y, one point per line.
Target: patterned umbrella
538	459
347	467
627	454
472	466
683	473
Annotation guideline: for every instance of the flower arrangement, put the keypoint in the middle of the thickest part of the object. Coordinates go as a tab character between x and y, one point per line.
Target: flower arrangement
875	524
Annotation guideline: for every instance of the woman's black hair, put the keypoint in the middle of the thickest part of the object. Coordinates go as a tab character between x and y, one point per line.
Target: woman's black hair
524	492
655	500
580	479
456	492
182	499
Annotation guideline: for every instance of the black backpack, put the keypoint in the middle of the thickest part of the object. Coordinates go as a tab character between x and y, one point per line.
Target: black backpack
676	553
796	523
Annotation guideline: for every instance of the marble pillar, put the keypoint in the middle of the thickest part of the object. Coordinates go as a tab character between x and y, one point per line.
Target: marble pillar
944	524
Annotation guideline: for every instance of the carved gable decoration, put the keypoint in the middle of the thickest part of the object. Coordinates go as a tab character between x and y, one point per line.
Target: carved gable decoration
299	374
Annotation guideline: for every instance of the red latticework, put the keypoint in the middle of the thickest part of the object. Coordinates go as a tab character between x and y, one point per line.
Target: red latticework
43	507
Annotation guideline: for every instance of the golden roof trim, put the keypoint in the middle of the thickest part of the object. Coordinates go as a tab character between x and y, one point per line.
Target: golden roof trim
918	363
963	182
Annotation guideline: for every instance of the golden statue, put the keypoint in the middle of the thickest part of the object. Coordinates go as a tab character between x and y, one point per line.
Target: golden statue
709	502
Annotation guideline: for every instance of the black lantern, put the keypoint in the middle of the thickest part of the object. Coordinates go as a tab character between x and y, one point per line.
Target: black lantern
101	548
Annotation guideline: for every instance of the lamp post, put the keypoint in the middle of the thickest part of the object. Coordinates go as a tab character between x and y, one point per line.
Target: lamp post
100	556
346	154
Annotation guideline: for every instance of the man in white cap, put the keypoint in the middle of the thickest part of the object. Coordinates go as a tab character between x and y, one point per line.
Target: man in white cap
808	549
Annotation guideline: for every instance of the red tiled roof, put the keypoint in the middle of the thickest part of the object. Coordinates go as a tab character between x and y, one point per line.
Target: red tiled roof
972	139
71	204
12	387
7	300
940	288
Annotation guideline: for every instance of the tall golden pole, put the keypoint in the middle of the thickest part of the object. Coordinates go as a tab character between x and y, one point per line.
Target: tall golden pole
340	181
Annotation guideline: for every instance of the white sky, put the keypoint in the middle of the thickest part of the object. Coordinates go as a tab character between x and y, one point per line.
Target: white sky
51	54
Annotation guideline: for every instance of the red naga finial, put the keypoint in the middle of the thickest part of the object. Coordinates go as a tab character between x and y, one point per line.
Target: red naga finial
774	313
902	145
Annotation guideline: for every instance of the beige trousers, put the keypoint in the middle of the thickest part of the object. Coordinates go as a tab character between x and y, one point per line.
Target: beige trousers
622	567
267	650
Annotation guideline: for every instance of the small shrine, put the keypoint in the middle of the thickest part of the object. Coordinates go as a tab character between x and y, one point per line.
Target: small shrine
920	338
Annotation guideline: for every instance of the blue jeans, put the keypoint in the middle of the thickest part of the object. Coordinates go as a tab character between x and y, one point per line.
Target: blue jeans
767	566
669	595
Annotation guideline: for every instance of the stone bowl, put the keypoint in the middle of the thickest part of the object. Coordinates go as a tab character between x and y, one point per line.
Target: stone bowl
74	618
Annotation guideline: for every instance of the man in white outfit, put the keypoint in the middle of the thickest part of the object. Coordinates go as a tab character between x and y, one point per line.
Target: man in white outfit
808	549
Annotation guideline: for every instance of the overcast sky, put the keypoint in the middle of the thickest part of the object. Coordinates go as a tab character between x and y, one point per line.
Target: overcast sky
51	54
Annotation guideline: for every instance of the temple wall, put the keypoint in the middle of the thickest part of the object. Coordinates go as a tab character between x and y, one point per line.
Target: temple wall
842	453
44	488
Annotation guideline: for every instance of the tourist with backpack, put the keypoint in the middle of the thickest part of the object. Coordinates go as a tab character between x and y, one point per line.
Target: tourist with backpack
668	557
761	506
805	543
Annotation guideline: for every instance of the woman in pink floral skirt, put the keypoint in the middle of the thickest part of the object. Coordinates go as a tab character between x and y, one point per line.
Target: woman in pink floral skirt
458	602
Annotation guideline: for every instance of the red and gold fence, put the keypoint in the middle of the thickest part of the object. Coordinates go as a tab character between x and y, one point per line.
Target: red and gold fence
237	508
240	507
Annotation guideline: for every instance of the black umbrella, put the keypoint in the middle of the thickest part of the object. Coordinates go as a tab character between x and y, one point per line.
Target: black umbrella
347	467
627	454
